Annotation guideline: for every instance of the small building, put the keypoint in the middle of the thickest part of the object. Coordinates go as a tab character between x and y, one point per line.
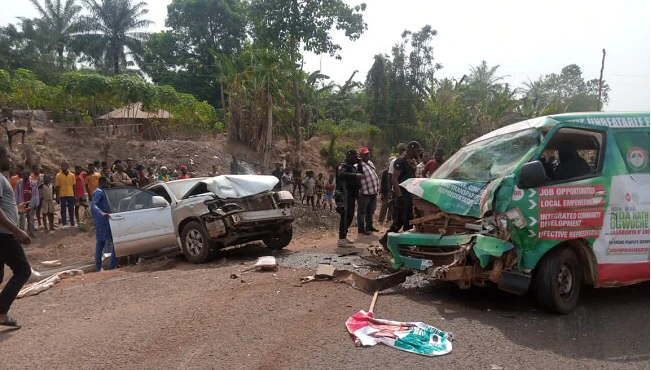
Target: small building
132	119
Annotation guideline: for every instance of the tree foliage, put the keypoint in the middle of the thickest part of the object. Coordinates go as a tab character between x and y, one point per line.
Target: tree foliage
184	56
288	24
239	64
111	32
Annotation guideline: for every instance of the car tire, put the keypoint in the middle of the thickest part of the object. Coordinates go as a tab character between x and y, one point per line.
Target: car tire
280	240
195	240
558	281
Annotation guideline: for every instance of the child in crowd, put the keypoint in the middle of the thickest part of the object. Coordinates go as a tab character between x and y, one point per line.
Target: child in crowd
329	196
46	191
318	188
309	185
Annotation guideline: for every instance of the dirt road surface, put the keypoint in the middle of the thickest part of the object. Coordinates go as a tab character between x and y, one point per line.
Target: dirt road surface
173	315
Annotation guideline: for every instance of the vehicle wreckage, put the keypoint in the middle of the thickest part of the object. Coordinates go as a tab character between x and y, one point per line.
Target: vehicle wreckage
550	202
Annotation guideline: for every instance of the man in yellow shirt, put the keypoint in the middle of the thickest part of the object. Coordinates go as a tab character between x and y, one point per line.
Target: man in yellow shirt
91	180
64	187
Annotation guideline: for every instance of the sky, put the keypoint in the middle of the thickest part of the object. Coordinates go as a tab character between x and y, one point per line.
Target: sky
526	39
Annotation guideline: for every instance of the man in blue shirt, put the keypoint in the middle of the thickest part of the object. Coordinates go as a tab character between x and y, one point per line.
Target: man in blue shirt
100	209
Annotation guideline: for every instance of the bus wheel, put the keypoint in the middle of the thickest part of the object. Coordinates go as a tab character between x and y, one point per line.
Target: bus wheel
558	281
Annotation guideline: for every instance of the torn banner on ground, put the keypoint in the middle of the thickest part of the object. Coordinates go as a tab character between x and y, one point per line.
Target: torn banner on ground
414	337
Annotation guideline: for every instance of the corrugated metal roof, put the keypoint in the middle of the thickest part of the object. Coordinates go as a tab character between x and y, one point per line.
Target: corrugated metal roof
135	111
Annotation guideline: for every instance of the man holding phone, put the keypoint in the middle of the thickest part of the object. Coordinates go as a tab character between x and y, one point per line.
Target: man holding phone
11	238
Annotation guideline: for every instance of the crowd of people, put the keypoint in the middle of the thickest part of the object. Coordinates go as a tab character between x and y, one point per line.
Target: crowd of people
41	190
358	186
28	199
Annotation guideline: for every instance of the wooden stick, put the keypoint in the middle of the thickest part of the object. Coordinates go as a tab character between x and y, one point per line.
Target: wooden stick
373	301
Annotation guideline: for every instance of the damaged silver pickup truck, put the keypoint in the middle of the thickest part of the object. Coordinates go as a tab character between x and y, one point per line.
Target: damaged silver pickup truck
200	215
550	203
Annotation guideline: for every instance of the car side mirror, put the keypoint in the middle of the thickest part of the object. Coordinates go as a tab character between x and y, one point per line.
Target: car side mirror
159	201
532	175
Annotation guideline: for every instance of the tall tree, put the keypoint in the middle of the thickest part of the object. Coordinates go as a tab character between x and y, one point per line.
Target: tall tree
288	24
113	31
58	23
377	91
202	35
564	92
25	46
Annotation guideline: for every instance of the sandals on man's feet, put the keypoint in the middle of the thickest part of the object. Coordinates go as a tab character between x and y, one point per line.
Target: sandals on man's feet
10	322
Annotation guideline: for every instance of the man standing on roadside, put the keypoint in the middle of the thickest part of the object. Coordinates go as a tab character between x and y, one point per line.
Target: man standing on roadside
100	210
404	168
287	180
38	177
27	192
11	238
91	181
370	185
278	173
235	168
433	164
386	195
401	150
81	200
131	171
120	178
64	187
346	193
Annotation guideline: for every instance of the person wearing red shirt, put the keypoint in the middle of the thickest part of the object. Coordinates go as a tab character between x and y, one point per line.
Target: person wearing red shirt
434	164
184	173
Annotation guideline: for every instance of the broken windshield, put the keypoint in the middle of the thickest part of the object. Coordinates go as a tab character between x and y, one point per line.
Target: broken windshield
489	159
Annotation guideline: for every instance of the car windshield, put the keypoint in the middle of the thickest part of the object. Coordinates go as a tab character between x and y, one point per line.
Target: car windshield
489	159
180	187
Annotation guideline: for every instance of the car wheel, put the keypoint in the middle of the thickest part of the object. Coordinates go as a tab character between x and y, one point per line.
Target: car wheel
196	243
558	281
279	241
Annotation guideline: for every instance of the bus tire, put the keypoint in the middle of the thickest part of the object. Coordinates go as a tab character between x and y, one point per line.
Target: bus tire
558	281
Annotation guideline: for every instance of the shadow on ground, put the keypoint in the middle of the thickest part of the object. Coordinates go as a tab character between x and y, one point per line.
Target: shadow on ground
608	324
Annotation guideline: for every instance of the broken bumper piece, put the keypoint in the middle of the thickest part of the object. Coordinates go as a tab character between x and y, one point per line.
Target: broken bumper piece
451	257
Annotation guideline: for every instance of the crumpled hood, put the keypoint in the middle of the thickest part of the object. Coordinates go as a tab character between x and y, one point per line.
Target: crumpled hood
240	186
458	197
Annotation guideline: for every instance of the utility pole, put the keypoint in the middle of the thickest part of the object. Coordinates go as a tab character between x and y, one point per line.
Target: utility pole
601	78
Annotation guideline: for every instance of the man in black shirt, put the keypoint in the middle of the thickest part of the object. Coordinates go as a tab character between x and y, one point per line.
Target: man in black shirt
279	175
386	195
235	168
131	171
347	192
404	168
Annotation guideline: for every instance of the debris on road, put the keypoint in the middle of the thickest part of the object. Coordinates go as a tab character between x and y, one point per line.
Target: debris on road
235	276
53	263
45	284
414	337
266	263
364	283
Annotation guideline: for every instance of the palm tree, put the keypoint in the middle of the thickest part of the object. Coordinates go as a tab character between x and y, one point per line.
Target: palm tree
58	23
112	32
